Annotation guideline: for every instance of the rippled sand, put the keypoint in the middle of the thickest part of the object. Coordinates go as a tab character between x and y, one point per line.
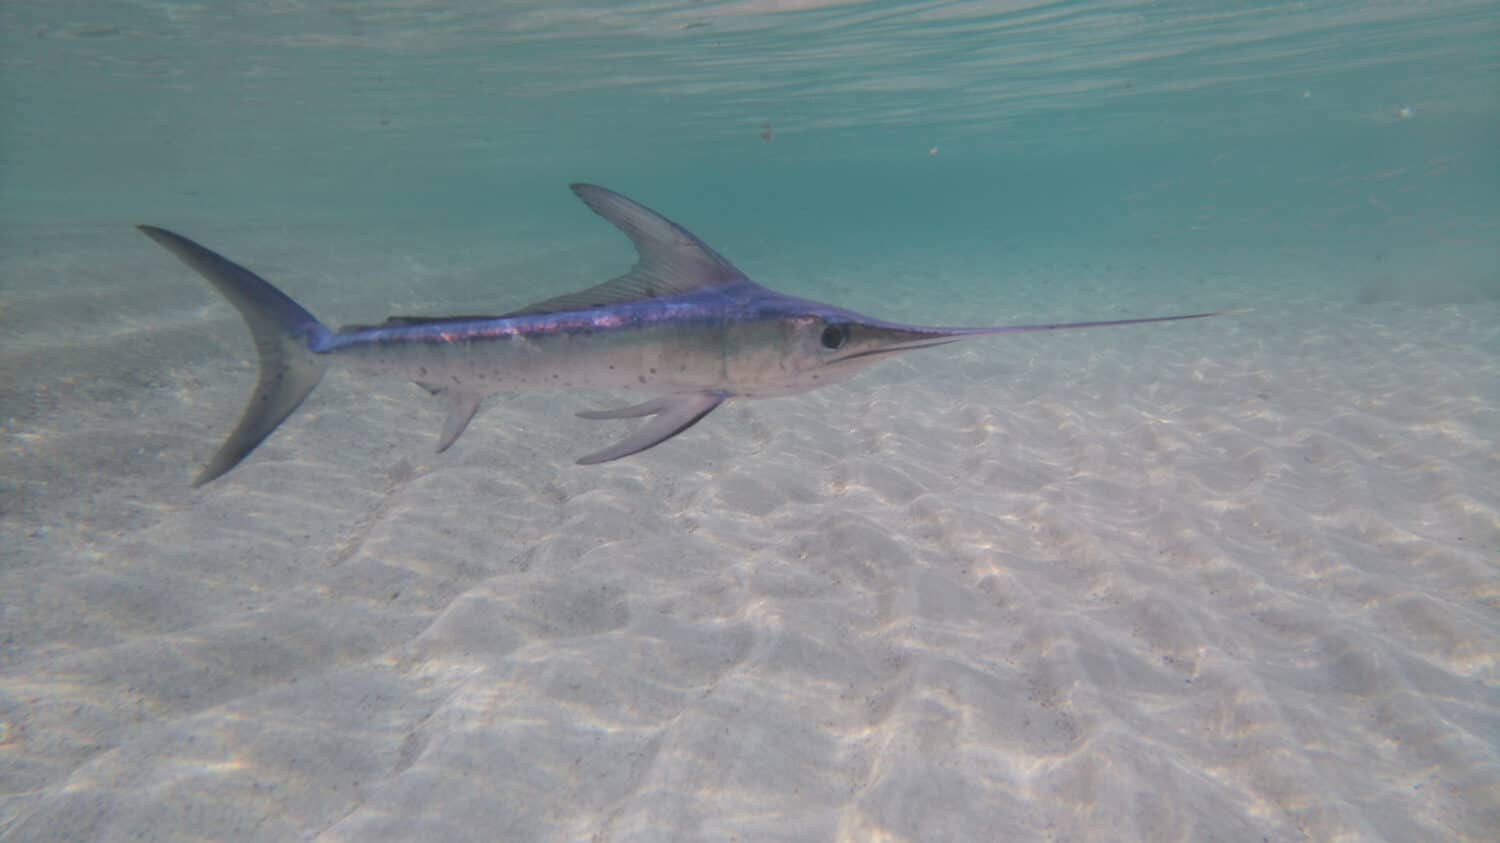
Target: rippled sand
1230	580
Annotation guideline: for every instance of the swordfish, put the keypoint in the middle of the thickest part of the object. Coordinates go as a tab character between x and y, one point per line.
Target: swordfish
683	328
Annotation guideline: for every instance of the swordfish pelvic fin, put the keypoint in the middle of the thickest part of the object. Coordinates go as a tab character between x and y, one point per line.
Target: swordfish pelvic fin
674	414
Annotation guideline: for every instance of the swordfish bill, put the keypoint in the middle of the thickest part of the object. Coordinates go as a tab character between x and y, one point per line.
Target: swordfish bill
683	329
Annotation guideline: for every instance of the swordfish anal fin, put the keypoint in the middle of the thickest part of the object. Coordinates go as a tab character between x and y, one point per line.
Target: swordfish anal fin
673	415
461	408
462	405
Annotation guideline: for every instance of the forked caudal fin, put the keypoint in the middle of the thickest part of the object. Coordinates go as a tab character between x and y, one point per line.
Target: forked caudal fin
282	330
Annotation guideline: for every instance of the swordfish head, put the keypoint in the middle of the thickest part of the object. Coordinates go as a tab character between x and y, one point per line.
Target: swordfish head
786	345
783	345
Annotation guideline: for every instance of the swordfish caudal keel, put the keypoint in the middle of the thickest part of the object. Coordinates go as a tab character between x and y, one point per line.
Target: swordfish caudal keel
683	326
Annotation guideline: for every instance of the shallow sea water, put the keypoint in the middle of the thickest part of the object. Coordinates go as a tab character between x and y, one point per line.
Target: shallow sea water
1232	579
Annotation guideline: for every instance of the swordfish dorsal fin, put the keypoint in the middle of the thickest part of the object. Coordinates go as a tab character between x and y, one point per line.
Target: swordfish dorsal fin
672	261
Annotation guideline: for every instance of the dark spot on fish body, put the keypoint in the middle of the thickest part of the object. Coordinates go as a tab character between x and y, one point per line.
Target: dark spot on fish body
641	378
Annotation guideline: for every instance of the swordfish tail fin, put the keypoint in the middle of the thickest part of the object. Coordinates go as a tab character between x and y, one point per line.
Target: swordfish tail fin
285	336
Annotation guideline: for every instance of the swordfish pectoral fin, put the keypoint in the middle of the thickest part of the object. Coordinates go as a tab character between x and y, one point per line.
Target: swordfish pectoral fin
673	414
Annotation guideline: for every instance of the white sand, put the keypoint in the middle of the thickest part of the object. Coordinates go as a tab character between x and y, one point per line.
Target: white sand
1233	580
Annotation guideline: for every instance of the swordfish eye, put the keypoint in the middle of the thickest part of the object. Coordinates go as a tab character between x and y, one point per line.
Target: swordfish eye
834	336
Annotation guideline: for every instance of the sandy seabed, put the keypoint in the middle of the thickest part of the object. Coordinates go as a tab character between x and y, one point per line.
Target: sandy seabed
1232	580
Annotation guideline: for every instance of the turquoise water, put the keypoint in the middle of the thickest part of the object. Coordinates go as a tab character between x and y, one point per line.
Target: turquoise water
1227	579
1371	125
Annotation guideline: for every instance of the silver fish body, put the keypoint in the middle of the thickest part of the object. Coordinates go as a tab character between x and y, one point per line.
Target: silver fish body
594	350
683	327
